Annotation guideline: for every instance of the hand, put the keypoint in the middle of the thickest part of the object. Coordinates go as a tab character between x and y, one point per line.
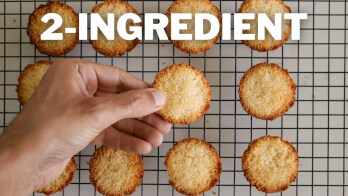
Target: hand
78	103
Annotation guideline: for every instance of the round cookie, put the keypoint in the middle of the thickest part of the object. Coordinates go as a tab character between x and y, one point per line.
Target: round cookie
270	164
188	93
62	181
115	172
193	166
30	79
36	27
118	46
267	91
270	7
193	6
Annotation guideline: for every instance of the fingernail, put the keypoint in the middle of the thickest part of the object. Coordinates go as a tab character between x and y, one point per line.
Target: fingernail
159	96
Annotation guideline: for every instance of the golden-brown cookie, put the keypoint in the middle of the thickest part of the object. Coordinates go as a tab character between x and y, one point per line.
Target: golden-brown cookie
270	7
270	164
36	27
30	79
118	46
193	166
193	6
267	91
188	93
115	172
62	181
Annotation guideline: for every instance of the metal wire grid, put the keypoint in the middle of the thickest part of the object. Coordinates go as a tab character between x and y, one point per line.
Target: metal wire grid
316	125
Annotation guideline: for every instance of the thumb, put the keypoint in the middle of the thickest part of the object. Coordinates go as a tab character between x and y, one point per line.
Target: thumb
130	104
138	103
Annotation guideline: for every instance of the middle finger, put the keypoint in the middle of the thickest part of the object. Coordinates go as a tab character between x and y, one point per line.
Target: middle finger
141	130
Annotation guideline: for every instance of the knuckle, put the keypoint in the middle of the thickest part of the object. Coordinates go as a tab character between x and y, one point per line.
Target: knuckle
142	149
167	128
157	139
134	102
67	62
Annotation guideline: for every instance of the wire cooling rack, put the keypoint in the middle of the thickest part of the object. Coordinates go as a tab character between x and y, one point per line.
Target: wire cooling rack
316	125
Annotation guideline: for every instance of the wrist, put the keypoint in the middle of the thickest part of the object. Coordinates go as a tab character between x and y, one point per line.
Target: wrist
18	170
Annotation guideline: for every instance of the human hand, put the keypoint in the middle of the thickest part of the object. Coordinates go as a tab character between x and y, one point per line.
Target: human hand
78	103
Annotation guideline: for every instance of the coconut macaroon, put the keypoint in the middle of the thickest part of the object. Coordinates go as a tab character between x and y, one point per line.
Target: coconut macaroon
118	46
267	91
193	166
193	6
269	7
36	27
187	91
270	164
115	172
30	79
62	181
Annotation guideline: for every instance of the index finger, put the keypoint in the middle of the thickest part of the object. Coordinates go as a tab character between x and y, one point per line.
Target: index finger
113	79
